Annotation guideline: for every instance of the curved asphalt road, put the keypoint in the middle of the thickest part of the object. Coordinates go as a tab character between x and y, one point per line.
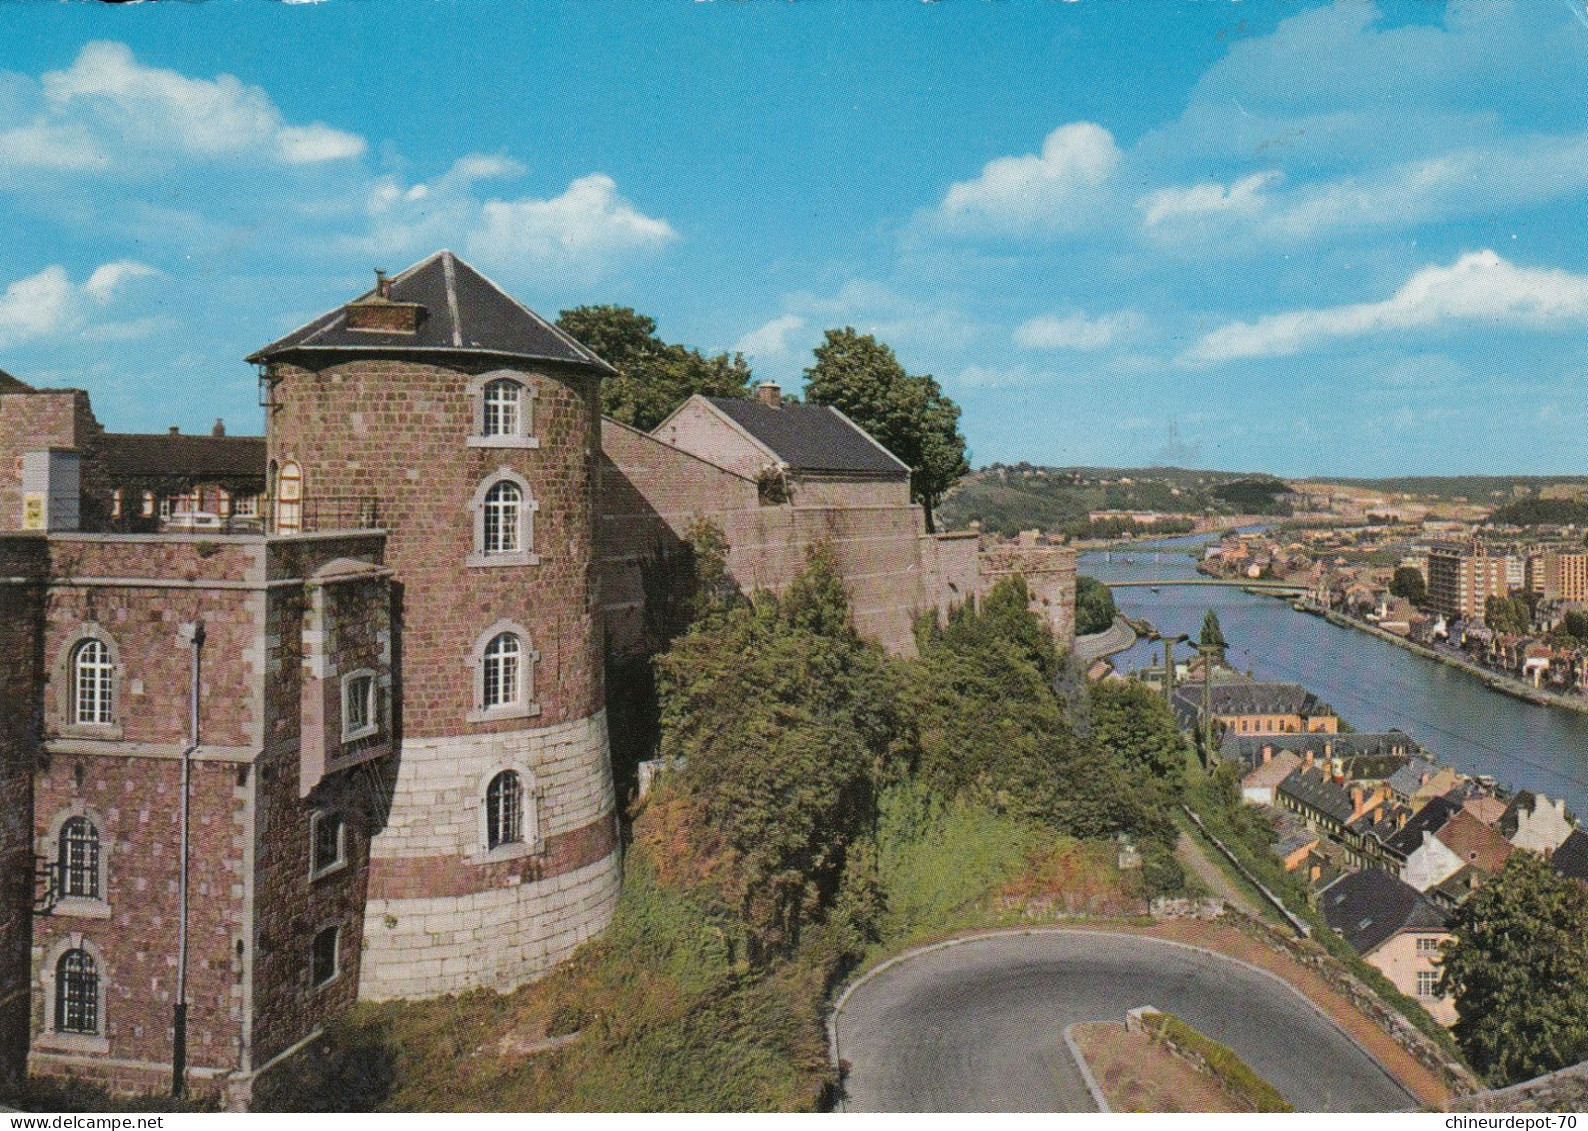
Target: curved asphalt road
979	1026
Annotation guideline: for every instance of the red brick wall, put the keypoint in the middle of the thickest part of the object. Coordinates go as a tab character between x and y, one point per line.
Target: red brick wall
21	633
398	430
50	419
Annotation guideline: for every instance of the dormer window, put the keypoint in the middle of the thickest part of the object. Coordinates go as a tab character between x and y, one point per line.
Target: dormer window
503	411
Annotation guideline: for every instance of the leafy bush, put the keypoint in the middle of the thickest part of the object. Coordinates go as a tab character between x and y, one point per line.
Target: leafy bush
1094	606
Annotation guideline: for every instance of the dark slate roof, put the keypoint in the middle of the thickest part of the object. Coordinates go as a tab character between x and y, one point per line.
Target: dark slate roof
1429	819
132	456
464	312
9	384
1257	699
1312	788
1411	777
811	437
1571	858
1248	748
1370	907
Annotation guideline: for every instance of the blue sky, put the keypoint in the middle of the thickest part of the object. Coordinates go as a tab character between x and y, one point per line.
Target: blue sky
1306	238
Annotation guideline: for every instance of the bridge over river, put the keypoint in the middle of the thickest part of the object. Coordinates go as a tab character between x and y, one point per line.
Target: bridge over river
1286	588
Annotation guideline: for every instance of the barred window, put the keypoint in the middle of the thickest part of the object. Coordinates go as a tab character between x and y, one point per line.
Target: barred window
76	993
504	810
92	672
503	657
502	411
503	512
79	859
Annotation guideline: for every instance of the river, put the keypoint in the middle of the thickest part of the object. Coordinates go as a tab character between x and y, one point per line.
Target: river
1374	685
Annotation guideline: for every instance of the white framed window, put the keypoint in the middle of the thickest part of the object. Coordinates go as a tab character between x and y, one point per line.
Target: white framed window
504	674
504	411
503	408
1427	983
1427	945
327	843
245	506
289	498
504	521
504	504
148	504
325	957
503	671
360	708
504	811
93	684
165	506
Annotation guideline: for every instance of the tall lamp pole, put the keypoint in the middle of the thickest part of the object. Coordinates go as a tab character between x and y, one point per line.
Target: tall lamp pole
192	634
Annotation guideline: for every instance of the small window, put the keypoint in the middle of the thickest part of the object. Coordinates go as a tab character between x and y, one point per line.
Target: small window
328	836
245	506
93	675
503	664
1427	946
76	993
1427	983
289	499
115	503
359	718
503	516
148	504
324	963
78	860
504	810
503	408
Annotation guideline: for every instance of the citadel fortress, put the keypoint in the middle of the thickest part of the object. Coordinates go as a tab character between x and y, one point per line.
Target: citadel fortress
355	674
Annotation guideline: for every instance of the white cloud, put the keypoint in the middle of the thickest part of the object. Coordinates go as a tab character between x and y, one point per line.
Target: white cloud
1479	287
107	111
1036	193
1075	331
50	303
772	339
1194	202
582	230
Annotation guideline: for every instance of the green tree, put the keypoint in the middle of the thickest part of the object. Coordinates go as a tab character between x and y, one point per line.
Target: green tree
1408	584
785	723
1212	635
1094	606
908	415
1518	970
653	377
1508	614
1134	727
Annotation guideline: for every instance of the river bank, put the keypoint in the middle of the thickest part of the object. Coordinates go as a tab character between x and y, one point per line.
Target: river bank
1495	681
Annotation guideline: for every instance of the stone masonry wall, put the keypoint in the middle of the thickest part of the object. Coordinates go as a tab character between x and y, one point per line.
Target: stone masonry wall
444	912
21	674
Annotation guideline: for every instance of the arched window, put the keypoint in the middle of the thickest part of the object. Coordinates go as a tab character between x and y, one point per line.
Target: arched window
503	671
93	673
78	860
503	416
76	993
504	513
504	810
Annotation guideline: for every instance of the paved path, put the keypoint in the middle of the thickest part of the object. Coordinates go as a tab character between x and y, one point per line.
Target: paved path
1198	862
979	1026
1115	638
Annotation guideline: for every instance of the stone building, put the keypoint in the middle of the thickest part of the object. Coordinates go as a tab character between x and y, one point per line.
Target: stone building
396	760
467	428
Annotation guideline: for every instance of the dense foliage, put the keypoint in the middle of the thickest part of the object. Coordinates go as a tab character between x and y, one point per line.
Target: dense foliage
653	377
785	722
1518	970
1513	614
1541	512
1256	494
1409	585
905	413
1212	635
1094	606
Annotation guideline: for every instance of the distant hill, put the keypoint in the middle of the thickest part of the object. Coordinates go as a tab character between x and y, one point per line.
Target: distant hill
1008	499
1541	512
1483	489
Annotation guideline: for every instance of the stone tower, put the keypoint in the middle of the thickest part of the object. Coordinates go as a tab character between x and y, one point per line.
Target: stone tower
441	410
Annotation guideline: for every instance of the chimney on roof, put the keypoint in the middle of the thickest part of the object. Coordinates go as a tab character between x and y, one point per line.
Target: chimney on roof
175	431
382	285
381	314
220	427
769	394
1268	752
1306	759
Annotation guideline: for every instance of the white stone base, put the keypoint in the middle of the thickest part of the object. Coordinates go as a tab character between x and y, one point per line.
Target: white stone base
500	939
